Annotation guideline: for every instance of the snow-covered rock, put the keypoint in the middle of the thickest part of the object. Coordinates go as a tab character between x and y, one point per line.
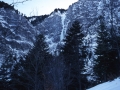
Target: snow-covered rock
56	25
16	33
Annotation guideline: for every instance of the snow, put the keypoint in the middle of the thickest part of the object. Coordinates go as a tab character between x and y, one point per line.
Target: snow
2	20
63	16
113	85
100	6
20	42
1	17
18	53
32	19
1	59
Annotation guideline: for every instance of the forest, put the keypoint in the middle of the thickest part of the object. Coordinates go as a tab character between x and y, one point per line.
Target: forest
39	70
66	69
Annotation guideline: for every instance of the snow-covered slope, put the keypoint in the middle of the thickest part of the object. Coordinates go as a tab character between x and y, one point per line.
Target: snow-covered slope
111	85
16	33
55	26
87	12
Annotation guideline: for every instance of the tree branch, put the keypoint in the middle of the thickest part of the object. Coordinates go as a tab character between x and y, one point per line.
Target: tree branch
18	2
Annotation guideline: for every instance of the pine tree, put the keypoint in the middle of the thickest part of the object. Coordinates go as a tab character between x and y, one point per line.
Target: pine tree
106	63
18	79
6	70
31	69
74	55
54	74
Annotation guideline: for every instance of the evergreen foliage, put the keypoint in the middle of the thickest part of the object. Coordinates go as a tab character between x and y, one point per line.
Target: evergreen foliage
61	10
6	5
38	19
74	55
28	73
39	70
54	74
5	71
106	63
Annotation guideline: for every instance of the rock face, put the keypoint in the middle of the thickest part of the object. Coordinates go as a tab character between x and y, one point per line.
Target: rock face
17	34
56	25
87	12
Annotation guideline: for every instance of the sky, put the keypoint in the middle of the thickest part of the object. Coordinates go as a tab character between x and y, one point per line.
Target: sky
40	7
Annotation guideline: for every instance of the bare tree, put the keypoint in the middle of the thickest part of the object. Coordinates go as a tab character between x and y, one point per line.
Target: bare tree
15	3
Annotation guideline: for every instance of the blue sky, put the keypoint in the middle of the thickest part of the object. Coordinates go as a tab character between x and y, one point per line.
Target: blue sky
40	7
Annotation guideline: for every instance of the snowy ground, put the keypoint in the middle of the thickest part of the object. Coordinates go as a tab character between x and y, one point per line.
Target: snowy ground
113	85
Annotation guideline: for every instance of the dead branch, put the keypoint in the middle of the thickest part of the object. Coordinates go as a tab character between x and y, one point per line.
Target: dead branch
18	2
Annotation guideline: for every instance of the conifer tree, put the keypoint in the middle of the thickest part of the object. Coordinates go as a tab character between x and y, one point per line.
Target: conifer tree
106	63
31	69
54	74
6	70
74	55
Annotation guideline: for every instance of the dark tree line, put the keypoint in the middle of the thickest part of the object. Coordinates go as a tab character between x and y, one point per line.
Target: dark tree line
6	5
39	70
38	19
106	66
61	10
107	63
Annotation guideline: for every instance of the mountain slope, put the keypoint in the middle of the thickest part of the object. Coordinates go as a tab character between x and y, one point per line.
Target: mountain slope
87	12
56	25
16	33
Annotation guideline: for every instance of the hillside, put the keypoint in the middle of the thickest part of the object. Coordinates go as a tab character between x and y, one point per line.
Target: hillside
71	49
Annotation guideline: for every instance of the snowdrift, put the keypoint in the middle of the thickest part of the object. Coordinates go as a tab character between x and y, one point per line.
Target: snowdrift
111	85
